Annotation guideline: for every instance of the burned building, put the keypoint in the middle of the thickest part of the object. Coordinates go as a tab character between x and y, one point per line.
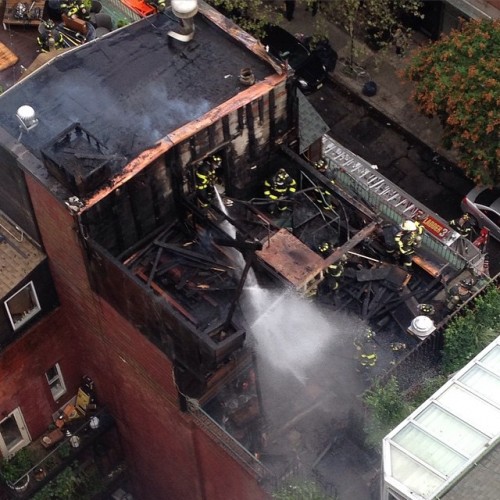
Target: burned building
141	276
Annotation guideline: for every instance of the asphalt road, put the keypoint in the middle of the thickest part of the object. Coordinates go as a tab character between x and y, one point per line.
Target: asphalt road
402	159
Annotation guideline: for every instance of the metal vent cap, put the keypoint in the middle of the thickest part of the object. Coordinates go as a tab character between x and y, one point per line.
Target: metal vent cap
184	9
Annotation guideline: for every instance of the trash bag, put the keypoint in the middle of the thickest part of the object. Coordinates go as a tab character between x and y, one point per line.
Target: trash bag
326	54
369	89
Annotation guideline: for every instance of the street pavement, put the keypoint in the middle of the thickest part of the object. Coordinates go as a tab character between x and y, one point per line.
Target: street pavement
393	97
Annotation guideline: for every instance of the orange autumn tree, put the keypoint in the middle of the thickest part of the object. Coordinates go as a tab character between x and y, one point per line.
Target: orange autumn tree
458	79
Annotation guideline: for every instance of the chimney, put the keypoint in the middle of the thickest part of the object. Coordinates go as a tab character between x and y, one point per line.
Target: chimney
185	10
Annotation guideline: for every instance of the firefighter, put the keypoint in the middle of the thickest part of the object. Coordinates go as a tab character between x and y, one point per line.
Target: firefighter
405	242
333	273
50	38
427	309
76	9
367	350
279	187
459	293
321	166
206	177
464	225
325	199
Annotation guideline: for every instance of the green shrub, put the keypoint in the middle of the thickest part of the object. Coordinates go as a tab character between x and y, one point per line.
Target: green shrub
387	409
13	468
470	332
301	490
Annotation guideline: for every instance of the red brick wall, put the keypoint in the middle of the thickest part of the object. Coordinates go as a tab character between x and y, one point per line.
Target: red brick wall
22	372
134	380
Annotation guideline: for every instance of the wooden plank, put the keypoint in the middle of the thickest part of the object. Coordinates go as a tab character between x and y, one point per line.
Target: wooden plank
427	266
167	297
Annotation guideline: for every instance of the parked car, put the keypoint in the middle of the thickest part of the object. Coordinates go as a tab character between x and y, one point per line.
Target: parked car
484	205
310	71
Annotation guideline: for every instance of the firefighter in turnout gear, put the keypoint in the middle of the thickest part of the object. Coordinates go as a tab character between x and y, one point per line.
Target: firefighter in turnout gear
76	9
464	225
366	348
321	166
333	273
325	199
50	38
406	240
279	187
426	309
459	293
206	177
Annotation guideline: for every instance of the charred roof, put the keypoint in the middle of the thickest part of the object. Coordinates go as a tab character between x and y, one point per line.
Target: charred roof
134	86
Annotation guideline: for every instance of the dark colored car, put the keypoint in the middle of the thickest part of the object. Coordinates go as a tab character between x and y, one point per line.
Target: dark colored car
484	205
310	72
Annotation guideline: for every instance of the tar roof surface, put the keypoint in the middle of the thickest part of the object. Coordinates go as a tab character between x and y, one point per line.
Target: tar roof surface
133	87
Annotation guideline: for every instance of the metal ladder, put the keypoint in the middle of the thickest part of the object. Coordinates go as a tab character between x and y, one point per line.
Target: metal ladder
365	174
395	204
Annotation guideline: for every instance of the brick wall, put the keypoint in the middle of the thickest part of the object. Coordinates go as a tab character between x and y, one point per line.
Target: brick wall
167	459
22	372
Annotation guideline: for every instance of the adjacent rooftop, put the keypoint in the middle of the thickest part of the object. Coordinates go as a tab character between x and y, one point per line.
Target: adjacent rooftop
132	87
18	256
456	430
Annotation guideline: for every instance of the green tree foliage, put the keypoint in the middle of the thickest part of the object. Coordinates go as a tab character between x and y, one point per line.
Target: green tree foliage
388	408
379	21
458	79
301	490
469	333
251	15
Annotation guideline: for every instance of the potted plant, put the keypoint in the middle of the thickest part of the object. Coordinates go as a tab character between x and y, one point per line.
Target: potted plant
14	470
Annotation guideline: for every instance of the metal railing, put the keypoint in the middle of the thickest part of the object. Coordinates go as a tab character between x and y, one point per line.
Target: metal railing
393	203
117	5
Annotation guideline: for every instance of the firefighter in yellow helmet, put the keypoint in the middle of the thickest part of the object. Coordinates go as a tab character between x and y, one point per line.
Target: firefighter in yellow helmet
205	180
333	273
366	348
278	188
406	240
50	38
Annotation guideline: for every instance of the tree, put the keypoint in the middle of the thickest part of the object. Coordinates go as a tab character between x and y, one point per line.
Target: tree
458	79
251	15
467	334
378	21
387	409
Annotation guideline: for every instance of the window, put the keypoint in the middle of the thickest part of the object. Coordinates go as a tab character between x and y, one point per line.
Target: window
55	381
22	306
13	433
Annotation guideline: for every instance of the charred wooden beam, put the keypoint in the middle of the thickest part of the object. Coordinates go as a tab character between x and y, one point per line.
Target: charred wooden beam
191	255
176	305
326	183
155	265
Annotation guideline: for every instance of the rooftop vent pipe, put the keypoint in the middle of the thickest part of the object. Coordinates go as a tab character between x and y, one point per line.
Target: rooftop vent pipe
247	77
185	10
422	327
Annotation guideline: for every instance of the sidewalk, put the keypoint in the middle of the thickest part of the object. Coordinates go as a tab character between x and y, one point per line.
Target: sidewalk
393	98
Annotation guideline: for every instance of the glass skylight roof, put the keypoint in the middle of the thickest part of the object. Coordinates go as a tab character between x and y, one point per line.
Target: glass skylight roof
427	452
